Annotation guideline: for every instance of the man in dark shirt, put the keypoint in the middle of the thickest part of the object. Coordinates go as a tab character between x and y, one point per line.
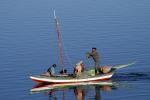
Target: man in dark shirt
94	54
51	70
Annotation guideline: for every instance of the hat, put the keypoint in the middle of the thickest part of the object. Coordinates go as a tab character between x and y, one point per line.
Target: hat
54	65
94	48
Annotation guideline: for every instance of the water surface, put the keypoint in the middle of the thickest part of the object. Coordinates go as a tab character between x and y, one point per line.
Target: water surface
28	43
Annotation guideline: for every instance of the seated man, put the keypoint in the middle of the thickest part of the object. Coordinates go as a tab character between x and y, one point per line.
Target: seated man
50	71
79	68
65	72
105	69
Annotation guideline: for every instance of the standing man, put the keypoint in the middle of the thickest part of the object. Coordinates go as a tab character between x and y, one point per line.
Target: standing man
94	54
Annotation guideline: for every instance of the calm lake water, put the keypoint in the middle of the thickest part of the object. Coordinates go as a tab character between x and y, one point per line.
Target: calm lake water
120	29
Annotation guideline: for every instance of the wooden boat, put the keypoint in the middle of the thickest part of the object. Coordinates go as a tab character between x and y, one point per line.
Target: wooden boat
70	79
85	77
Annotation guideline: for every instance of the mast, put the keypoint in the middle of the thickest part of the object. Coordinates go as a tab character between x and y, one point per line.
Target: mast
59	42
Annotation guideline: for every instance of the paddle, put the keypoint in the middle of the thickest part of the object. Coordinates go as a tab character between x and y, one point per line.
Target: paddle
122	66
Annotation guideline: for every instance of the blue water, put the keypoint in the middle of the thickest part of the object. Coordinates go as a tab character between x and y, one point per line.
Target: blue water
120	29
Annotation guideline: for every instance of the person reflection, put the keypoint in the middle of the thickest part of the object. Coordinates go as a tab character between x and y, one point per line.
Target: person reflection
79	93
101	88
106	88
97	93
51	95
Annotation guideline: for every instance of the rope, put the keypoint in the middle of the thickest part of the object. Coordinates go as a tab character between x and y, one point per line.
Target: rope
66	54
89	63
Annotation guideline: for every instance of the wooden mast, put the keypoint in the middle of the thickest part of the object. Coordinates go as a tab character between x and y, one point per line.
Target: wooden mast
59	42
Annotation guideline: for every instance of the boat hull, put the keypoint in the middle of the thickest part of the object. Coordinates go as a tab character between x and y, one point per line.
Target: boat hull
53	80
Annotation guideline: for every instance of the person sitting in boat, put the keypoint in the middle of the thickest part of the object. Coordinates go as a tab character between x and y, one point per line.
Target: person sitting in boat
79	68
105	69
95	55
50	71
63	72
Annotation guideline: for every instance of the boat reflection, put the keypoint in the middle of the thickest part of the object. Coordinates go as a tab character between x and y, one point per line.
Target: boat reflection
80	91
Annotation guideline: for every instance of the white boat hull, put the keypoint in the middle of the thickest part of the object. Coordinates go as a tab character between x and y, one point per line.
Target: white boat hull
53	80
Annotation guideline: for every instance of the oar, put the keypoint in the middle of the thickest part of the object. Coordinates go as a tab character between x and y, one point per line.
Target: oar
122	66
